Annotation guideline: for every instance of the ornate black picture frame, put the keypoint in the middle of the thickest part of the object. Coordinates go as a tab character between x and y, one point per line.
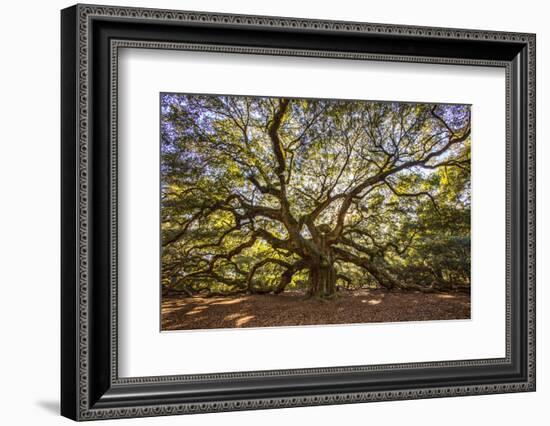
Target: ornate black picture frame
91	36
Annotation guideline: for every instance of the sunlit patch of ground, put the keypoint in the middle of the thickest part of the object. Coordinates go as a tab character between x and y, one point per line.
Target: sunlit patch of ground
446	296
288	309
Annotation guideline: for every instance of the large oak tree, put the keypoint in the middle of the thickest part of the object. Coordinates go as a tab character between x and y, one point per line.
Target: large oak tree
259	194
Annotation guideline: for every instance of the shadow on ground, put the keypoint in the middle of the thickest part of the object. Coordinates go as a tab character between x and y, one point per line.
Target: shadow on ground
288	309
51	407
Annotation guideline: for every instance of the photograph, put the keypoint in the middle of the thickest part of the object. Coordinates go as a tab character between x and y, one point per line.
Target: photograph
282	211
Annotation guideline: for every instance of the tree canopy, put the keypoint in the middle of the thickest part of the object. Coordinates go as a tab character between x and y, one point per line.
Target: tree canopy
266	194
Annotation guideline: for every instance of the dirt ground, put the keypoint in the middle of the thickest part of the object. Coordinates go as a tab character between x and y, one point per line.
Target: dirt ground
287	309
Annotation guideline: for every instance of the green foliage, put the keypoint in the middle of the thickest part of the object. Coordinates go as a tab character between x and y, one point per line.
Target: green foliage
259	192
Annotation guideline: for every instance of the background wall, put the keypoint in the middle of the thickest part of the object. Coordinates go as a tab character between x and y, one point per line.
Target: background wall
29	213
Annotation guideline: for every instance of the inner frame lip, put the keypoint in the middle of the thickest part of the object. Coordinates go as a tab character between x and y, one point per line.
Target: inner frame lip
116	44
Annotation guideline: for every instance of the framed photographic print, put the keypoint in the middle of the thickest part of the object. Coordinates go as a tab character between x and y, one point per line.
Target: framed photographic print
263	212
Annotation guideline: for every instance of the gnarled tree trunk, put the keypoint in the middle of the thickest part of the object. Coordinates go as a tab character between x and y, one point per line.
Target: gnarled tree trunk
322	281
322	273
